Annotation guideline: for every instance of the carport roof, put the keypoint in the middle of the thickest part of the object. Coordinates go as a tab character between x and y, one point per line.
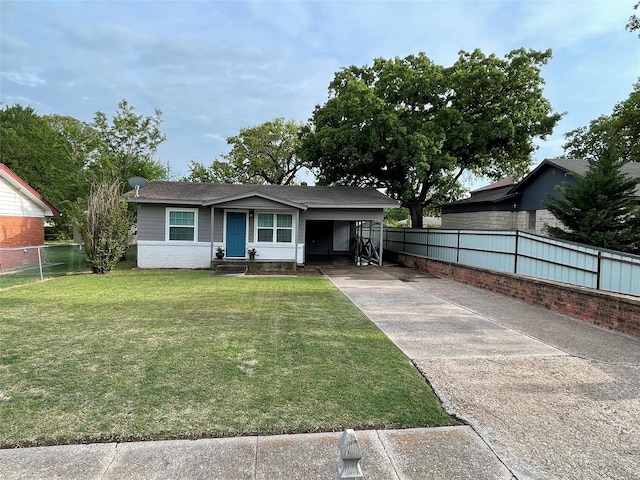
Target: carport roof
299	196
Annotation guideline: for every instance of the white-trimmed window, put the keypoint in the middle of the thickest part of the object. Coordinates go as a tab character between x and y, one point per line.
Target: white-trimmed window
275	227
182	224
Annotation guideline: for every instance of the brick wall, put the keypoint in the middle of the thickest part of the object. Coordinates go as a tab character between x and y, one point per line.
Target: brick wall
21	231
609	310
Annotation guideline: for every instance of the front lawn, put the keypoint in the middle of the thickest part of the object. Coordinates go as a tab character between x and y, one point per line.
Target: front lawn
182	354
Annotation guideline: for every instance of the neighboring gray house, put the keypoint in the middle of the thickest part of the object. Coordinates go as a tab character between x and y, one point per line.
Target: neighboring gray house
180	225
519	206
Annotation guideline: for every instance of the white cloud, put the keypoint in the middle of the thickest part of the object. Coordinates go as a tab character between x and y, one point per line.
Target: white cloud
215	136
227	65
21	78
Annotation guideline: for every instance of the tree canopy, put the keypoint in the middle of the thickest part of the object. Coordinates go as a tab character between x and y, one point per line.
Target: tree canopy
127	145
61	156
599	208
634	21
414	127
264	154
39	153
620	130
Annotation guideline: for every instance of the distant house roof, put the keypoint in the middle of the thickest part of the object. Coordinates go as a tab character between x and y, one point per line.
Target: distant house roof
297	196
505	182
508	188
25	189
579	166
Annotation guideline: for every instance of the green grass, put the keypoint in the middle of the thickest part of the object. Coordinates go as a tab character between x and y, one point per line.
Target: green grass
182	354
57	260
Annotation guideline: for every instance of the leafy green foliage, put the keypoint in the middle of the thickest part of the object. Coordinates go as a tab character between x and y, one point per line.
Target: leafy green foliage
264	154
37	152
127	145
599	208
394	215
634	21
105	226
620	130
413	127
61	156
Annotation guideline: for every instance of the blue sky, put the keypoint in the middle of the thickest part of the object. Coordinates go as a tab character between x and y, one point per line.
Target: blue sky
215	67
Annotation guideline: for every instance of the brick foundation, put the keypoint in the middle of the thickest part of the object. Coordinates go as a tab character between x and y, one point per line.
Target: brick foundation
608	310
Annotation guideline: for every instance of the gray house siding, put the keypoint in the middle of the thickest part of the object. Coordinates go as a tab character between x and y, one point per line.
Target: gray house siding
218	225
152	222
536	191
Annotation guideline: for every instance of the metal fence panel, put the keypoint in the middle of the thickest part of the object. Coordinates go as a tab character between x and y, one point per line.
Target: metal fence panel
525	254
551	259
620	273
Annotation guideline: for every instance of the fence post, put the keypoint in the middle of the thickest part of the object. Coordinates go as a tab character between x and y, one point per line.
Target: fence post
40	263
426	254
404	240
458	249
598	268
350	455
515	261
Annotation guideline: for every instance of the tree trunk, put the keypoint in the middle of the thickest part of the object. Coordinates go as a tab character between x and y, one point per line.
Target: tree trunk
415	210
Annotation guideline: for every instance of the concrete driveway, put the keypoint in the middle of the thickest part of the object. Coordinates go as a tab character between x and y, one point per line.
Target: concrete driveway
552	396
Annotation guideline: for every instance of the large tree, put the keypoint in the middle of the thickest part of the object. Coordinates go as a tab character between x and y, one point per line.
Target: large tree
61	156
599	208
127	145
620	130
35	150
413	127
264	154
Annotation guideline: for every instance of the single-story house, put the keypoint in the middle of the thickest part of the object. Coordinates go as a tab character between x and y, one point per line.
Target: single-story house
181	225
22	219
509	205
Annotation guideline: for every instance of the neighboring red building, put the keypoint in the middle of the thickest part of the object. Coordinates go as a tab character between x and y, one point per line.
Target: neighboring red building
22	217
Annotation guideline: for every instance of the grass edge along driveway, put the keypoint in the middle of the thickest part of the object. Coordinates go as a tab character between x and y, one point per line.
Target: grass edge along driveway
181	354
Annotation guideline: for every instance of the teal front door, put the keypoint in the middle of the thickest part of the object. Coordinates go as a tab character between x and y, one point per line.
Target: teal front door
236	234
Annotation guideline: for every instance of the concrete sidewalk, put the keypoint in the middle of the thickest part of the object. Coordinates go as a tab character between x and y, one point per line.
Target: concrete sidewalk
546	396
552	396
443	453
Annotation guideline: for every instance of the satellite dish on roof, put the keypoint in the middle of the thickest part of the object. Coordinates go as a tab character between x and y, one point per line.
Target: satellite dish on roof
137	182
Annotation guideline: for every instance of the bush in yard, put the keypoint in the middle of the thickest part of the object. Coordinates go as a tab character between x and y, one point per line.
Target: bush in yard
105	225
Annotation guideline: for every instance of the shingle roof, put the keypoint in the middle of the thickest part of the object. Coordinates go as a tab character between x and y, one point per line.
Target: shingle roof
500	183
580	166
485	196
308	196
495	192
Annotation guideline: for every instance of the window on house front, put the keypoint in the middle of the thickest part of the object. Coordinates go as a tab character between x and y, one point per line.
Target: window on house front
182	225
275	227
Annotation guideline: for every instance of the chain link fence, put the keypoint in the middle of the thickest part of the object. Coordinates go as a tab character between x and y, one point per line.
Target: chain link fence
22	265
